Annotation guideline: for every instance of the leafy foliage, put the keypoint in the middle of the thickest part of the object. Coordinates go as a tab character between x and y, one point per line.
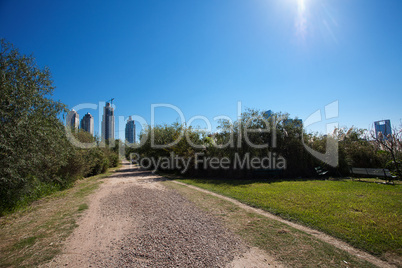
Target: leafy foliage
31	137
392	146
251	135
258	136
35	155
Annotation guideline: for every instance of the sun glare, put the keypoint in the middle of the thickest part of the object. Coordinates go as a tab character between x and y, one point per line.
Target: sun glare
301	7
301	20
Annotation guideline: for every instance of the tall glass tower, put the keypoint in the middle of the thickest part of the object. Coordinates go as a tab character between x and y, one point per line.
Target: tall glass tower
130	130
73	120
87	123
383	126
108	123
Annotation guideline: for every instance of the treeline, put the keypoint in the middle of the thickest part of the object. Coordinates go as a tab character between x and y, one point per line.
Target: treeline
278	141
36	157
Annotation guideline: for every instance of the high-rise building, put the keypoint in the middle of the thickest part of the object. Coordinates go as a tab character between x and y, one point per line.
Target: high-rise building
73	120
267	114
108	122
130	130
383	126
87	123
295	122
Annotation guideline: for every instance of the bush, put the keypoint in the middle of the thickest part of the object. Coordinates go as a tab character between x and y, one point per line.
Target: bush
35	156
354	148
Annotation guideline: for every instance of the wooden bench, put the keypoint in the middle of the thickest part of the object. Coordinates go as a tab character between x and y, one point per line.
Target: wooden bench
321	171
372	172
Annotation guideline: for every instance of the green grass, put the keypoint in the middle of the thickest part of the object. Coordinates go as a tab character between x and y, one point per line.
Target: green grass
26	242
35	233
83	207
366	215
85	189
285	244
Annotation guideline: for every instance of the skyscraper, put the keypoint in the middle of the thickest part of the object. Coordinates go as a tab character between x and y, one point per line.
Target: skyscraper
73	120
295	122
383	126
108	122
130	130
267	114
87	123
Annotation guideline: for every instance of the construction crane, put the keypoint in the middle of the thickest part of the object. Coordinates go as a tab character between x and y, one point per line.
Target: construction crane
111	101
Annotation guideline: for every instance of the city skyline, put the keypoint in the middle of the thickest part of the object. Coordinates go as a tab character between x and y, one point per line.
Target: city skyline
120	121
128	125
87	123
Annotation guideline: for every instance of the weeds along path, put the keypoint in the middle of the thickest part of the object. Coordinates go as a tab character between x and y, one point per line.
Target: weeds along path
317	234
134	221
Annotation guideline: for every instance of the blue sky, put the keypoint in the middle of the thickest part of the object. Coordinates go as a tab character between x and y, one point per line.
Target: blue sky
205	56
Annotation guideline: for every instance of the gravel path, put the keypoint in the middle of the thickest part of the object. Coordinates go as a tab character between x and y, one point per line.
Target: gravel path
134	221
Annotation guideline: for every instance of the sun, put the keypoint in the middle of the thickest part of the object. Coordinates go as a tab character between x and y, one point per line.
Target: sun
301	5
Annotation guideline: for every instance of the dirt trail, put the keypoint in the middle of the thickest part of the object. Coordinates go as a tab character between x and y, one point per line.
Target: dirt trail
134	221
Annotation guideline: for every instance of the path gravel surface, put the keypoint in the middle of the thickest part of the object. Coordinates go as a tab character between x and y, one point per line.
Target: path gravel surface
134	221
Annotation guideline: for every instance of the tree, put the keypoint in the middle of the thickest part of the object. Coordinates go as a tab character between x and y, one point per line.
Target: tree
359	150
392	143
32	138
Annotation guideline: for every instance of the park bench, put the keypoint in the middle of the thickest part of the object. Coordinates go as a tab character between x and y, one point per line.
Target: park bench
372	172
321	171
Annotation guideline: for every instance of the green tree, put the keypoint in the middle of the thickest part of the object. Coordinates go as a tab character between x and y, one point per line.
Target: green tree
392	144
32	138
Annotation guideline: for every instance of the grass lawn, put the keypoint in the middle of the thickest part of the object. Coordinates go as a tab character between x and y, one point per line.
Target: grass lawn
290	247
34	234
367	215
